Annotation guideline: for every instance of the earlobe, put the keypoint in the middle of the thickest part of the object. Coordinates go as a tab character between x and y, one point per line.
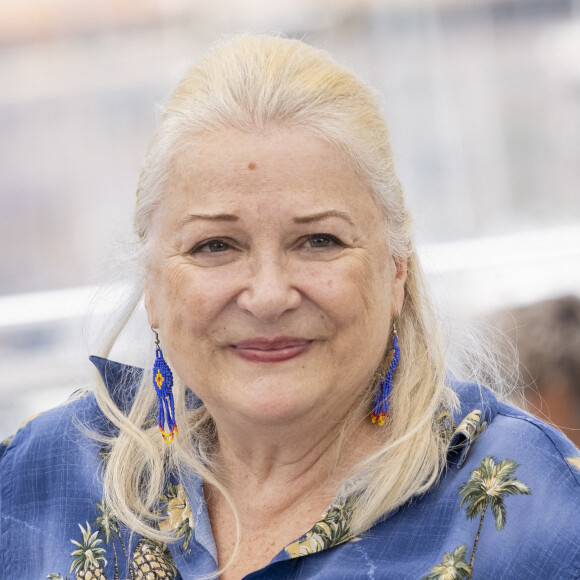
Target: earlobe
149	308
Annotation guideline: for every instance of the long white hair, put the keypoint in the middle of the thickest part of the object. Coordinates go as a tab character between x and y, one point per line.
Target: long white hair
256	84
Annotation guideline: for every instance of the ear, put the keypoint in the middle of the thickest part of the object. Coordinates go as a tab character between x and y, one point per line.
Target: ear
398	287
149	306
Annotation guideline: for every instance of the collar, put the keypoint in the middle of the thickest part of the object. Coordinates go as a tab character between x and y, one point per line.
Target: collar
478	408
122	382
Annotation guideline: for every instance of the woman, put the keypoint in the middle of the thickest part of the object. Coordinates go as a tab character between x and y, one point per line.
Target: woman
288	310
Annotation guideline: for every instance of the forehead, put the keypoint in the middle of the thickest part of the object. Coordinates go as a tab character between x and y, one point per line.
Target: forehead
229	170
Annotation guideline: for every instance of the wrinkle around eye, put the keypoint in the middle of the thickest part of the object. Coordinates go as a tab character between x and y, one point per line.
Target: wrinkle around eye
319	245
213	246
328	241
333	248
213	252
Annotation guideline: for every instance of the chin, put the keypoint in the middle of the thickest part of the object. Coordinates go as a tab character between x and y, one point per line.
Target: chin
275	412
265	400
268	410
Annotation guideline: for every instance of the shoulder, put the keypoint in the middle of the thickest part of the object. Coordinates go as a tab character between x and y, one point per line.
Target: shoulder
496	428
49	483
486	427
538	443
518	481
51	442
72	426
66	441
482	417
55	427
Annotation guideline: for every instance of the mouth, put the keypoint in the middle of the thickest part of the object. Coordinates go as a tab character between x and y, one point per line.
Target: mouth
271	350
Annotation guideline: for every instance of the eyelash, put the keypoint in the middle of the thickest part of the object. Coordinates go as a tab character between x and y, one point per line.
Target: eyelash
200	247
206	245
328	237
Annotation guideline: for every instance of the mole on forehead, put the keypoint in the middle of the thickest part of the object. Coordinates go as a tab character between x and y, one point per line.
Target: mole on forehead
252	165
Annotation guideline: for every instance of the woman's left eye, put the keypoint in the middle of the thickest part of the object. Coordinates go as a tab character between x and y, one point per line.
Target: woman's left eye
212	246
323	241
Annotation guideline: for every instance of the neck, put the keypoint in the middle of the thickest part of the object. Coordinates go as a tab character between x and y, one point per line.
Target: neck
292	461
280	480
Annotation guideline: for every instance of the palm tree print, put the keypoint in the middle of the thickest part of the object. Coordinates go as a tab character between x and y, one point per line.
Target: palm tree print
453	567
487	487
108	526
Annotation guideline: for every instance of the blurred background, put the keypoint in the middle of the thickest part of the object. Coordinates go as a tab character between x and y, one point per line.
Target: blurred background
483	102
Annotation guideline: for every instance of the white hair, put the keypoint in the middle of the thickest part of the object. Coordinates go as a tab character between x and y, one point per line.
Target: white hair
257	84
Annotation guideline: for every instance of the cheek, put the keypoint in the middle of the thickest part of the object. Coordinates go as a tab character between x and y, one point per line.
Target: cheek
177	297
370	284
350	292
195	299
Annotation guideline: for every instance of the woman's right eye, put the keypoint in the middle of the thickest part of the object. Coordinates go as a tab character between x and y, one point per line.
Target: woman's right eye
212	246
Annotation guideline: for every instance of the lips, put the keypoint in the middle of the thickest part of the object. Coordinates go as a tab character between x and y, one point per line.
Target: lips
271	350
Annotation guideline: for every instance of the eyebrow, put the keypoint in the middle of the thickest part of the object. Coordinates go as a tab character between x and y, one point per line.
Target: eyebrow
323	215
218	217
226	217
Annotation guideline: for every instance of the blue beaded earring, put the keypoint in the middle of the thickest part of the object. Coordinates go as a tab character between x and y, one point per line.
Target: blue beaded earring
380	410
163	381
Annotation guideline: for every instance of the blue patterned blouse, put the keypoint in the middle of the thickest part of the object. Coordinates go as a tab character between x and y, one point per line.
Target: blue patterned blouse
508	506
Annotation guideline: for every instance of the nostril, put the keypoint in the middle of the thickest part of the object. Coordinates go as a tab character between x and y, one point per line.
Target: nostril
270	289
269	304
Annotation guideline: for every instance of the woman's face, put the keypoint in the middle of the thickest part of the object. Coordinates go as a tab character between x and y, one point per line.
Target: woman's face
270	279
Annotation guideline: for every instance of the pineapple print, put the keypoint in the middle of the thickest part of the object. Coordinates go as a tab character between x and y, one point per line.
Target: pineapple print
88	560
153	561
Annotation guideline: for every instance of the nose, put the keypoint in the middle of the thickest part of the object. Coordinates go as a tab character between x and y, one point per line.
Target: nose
269	292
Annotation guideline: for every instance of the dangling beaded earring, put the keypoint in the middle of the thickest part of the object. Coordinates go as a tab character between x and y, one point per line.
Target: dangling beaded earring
381	402
163	381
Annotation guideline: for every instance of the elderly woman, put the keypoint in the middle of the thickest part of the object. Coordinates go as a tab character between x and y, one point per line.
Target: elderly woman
309	427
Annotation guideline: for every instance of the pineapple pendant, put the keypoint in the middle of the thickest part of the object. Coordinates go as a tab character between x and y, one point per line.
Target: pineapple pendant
153	561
